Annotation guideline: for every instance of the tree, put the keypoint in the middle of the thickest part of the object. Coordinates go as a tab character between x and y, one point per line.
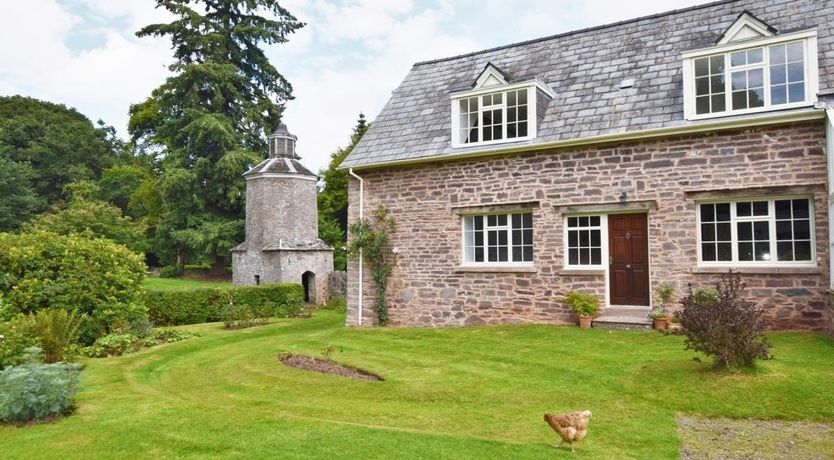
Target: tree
18	201
333	198
57	143
208	122
88	216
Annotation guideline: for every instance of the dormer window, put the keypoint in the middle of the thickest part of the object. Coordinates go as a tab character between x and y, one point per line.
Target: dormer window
751	70
496	110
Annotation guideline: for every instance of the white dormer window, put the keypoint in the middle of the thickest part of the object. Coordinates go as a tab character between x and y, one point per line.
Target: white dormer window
751	70
496	110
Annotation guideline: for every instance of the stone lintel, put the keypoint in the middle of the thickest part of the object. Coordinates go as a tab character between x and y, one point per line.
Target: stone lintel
807	189
496	207
612	207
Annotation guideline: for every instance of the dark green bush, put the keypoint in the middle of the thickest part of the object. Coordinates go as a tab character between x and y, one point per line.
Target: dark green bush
93	276
170	271
191	306
723	324
114	345
35	391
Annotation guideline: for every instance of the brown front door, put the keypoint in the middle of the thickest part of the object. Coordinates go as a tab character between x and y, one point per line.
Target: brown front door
628	251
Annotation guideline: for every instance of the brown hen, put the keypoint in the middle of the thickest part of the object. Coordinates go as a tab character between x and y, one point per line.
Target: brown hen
572	427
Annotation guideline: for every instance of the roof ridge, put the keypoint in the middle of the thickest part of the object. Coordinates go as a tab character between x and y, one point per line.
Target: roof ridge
577	31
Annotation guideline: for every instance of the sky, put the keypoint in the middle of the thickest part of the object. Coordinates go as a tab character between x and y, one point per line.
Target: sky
348	58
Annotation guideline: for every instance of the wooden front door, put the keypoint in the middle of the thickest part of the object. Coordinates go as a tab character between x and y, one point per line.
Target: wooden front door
628	251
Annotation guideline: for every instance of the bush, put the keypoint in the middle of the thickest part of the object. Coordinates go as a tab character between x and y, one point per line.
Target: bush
35	391
170	271
58	330
722	324
582	304
122	344
337	302
93	276
191	306
19	334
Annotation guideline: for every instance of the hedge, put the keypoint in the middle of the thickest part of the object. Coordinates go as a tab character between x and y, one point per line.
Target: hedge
204	305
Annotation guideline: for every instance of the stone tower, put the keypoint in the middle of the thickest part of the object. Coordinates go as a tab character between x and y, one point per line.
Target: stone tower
282	243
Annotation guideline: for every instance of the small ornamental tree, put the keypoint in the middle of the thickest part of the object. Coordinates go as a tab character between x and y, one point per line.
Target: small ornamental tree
373	239
725	326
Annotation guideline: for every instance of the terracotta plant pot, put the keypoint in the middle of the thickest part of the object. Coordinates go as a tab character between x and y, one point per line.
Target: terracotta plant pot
660	323
675	326
585	322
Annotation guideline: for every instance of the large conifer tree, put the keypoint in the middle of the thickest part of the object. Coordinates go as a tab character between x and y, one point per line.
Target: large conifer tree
208	122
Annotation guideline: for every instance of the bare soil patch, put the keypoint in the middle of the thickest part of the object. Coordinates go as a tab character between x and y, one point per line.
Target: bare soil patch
326	367
729	439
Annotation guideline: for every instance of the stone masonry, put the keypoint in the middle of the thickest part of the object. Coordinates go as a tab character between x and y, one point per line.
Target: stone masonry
428	288
282	243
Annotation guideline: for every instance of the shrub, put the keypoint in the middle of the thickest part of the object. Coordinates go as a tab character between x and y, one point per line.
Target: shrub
583	304
93	276
114	345
19	334
191	306
722	324
35	391
337	302
170	271
58	331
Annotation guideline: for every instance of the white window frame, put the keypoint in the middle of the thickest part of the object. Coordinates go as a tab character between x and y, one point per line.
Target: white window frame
532	120
509	228
603	227
807	37
772	232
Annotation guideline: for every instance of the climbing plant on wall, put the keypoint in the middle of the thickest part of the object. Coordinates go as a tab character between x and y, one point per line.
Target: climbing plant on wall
373	239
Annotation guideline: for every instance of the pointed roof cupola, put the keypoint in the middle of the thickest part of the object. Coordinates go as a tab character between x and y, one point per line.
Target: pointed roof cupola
282	143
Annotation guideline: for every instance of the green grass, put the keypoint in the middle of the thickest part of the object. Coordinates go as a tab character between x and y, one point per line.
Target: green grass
167	284
475	392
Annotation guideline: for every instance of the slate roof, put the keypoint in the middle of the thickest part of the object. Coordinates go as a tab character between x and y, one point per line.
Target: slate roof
584	68
280	165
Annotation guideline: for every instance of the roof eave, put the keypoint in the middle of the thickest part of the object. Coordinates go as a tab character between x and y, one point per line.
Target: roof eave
811	113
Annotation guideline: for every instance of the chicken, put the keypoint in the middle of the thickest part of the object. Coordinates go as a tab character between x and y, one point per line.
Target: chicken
572	427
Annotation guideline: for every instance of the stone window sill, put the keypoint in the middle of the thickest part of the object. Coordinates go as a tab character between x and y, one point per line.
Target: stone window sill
581	272
760	270
496	269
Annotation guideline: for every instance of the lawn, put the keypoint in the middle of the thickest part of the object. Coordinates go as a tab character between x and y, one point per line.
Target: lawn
476	392
168	284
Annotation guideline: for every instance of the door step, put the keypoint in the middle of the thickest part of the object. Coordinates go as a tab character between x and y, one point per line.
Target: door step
624	317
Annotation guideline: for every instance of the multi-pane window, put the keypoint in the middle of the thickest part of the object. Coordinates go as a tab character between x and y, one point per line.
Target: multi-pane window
709	85
584	241
787	73
763	232
749	79
493	117
498	238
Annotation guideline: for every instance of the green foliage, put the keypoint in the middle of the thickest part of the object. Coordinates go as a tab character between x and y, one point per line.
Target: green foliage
327	351
18	200
95	276
57	143
171	271
724	325
240	316
122	344
119	186
35	391
58	330
85	215
114	345
333	198
664	293
191	306
19	334
372	239
583	304
337	303
209	121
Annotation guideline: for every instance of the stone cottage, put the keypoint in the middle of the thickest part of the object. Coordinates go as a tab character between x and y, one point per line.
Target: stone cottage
282	243
664	149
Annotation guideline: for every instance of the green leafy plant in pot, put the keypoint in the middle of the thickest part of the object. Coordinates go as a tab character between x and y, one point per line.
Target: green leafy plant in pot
584	305
663	297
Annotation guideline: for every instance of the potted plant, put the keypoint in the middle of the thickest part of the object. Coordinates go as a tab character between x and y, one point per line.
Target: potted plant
663	297
584	305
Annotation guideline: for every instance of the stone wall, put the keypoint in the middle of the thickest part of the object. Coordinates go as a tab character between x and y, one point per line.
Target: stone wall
337	284
428	289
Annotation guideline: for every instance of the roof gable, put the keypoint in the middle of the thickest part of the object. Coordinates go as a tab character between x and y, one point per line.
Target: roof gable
491	76
746	27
